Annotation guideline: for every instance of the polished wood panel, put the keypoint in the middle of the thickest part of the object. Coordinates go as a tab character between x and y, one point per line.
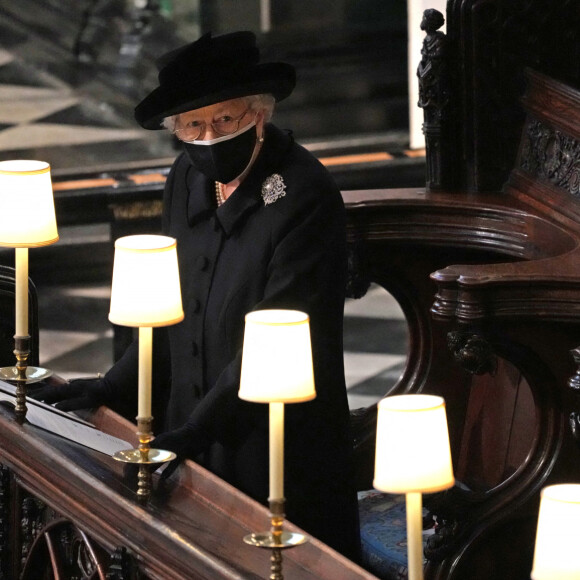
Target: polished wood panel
192	527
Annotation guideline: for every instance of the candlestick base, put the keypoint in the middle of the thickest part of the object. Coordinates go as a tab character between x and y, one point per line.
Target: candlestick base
153	456
33	374
276	539
21	352
268	540
144	456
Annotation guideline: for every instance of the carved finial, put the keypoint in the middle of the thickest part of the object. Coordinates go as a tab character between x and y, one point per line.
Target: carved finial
434	96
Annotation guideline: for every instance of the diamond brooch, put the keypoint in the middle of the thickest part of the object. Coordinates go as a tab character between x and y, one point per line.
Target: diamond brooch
273	188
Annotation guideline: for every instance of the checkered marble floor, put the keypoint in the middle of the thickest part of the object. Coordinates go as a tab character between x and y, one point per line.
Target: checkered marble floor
375	346
76	338
80	343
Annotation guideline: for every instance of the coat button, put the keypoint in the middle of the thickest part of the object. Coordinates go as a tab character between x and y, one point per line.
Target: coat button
194	349
196	306
202	263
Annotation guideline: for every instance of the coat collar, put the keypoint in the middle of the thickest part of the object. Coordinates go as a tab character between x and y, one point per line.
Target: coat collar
249	194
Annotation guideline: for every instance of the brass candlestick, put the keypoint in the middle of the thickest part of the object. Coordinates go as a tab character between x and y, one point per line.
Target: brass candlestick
276	539
22	352
144	456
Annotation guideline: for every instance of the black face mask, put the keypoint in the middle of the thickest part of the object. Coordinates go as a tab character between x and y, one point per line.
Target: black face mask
225	158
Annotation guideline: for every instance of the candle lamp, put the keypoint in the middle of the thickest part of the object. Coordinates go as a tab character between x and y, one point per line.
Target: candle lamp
27	220
413	456
145	293
276	369
558	534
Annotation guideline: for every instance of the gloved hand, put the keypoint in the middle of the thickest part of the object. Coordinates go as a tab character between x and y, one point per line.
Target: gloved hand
186	442
77	394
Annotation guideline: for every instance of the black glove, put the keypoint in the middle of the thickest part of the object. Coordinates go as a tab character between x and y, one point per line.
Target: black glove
186	442
77	394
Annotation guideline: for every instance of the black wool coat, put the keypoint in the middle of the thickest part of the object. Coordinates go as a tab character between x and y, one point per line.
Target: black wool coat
248	255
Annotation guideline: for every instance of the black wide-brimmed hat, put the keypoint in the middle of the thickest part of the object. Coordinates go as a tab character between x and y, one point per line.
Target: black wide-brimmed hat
210	70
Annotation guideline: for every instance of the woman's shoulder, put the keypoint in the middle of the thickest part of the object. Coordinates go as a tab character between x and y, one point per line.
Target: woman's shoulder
305	180
297	156
296	164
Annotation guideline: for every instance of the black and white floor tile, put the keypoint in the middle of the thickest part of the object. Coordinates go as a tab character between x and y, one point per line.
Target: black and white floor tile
75	337
375	346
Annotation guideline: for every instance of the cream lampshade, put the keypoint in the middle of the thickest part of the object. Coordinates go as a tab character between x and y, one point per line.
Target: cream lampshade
27	217
145	289
277	358
413	456
145	293
558	535
412	452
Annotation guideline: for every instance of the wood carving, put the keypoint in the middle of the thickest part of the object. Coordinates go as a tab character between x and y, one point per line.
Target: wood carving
358	281
492	43
33	512
5	522
574	424
123	566
450	511
472	352
61	549
49	545
574	384
434	99
552	155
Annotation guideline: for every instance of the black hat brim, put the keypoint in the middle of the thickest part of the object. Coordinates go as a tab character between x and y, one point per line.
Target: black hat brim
277	79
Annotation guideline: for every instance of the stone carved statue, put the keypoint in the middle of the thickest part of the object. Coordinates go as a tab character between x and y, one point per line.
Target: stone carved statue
433	76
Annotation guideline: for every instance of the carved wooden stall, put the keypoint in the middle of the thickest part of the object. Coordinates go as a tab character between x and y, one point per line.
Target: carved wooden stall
493	336
485	268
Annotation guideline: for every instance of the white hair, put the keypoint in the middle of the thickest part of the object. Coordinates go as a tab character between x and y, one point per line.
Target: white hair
265	102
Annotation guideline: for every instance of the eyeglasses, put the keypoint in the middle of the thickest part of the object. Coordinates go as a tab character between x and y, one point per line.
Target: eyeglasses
225	125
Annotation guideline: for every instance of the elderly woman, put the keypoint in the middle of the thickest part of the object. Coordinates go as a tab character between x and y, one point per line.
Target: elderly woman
259	224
